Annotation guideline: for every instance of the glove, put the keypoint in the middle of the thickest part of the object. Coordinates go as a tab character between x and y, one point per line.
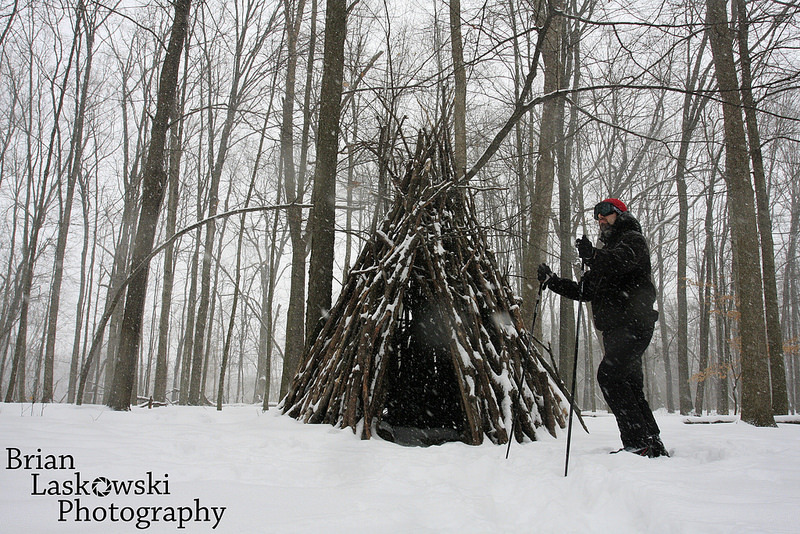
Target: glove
544	274
585	248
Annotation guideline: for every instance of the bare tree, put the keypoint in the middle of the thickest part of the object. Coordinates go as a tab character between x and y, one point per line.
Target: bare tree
294	184
567	219
552	110
237	272
38	196
322	220
11	15
246	69
705	291
460	83
133	153
777	372
692	110
154	182
76	158
174	169
756	402
791	312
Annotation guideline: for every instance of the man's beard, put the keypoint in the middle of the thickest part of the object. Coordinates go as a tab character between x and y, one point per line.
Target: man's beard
605	231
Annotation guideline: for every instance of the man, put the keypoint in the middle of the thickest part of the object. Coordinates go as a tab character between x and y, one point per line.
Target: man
619	285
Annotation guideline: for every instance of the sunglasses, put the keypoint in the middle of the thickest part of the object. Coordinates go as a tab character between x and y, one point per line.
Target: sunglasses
605	209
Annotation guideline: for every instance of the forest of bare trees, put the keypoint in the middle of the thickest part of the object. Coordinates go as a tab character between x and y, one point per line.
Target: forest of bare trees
185	185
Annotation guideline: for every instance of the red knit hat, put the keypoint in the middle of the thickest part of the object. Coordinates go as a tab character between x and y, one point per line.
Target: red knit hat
609	206
617	203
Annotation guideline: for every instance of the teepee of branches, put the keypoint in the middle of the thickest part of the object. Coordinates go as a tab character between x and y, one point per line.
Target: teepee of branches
426	342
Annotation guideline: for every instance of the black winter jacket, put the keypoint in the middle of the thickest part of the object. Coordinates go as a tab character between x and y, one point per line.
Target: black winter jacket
619	280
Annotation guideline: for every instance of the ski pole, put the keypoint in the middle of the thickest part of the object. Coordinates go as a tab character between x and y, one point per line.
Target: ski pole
522	368
574	369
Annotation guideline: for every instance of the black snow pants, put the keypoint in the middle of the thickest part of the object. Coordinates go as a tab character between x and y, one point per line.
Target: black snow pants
622	383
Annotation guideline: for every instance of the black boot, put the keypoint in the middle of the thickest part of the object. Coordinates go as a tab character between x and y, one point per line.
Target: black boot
652	449
656	448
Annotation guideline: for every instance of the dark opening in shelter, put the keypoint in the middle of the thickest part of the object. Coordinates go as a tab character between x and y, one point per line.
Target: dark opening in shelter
423	405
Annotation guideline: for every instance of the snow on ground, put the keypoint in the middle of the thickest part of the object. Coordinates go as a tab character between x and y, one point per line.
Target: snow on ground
274	474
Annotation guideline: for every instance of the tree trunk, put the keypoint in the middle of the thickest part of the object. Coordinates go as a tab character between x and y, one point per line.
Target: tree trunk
460	97
84	291
11	294
780	401
542	195
706	282
790	296
265	330
188	340
323	197
294	187
268	275
684	393
226	348
132	177
154	182
175	154
237	273
118	272
566	323
723	337
756	401
520	159
76	153
665	352
692	107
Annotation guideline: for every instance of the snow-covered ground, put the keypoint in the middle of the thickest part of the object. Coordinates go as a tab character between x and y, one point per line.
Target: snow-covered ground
273	474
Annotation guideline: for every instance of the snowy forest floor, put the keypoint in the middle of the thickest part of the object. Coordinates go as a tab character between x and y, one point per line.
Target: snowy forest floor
274	474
